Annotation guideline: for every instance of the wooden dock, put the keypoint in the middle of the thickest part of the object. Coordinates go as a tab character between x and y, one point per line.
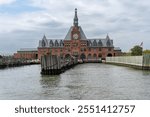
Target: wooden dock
55	65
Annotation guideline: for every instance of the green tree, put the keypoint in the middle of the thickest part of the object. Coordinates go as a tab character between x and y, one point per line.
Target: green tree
146	51
136	50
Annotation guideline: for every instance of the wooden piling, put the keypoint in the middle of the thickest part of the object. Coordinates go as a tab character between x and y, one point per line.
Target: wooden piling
55	65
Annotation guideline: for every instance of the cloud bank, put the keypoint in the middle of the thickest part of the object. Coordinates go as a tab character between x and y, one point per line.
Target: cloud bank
23	23
6	2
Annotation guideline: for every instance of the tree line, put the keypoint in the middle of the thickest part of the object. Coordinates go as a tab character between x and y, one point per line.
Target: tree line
136	51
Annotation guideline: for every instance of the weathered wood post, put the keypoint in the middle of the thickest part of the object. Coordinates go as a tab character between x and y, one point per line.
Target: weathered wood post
54	65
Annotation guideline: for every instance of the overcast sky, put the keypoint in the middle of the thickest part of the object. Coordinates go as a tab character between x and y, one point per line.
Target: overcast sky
24	22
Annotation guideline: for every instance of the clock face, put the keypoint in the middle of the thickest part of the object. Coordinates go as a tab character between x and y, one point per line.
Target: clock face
75	36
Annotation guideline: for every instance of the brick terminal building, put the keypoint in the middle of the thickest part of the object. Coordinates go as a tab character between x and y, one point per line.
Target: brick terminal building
27	53
75	44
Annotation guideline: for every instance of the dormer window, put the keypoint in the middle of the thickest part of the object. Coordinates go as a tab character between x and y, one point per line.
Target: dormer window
51	44
43	43
108	43
100	43
94	43
89	43
61	43
56	43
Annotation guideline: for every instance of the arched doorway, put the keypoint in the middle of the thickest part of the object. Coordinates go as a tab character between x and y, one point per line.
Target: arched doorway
94	56
109	55
36	56
67	57
82	56
89	56
61	56
99	56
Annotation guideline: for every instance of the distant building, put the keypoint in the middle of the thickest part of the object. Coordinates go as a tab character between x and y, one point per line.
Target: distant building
78	45
117	51
26	53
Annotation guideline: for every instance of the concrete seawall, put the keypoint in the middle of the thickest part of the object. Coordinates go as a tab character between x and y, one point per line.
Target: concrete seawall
139	62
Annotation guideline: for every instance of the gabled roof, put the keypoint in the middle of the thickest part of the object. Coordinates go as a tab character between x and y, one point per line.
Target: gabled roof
104	42
68	36
95	42
82	33
56	42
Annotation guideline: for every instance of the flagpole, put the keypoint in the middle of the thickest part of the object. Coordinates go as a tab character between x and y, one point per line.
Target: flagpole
142	47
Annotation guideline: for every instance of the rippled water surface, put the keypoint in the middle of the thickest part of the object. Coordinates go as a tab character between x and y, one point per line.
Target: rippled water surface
85	81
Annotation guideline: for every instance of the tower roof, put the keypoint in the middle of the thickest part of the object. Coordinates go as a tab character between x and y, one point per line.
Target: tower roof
75	23
68	36
44	37
107	37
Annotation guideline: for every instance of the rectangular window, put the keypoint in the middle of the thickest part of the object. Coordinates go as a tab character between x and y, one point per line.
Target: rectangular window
100	49
94	49
82	49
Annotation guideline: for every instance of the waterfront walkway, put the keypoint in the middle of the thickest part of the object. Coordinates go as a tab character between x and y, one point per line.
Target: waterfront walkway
140	62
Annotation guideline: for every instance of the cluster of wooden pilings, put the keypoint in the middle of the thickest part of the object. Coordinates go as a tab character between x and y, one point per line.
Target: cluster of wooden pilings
55	65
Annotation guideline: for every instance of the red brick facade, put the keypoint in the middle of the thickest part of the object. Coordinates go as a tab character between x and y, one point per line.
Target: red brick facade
26	54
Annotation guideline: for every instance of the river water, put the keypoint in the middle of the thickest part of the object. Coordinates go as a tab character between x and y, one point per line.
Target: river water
84	81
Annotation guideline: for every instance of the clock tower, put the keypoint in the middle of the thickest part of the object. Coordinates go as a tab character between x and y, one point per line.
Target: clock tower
75	40
75	34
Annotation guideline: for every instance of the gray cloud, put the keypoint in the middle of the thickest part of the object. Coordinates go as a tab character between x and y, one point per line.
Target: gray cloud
125	21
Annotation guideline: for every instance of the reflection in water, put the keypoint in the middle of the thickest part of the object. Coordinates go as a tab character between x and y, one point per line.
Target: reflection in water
50	81
146	73
85	81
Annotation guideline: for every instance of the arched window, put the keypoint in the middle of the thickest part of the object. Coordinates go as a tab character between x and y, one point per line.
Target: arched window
82	56
99	55
68	57
89	56
109	55
94	56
